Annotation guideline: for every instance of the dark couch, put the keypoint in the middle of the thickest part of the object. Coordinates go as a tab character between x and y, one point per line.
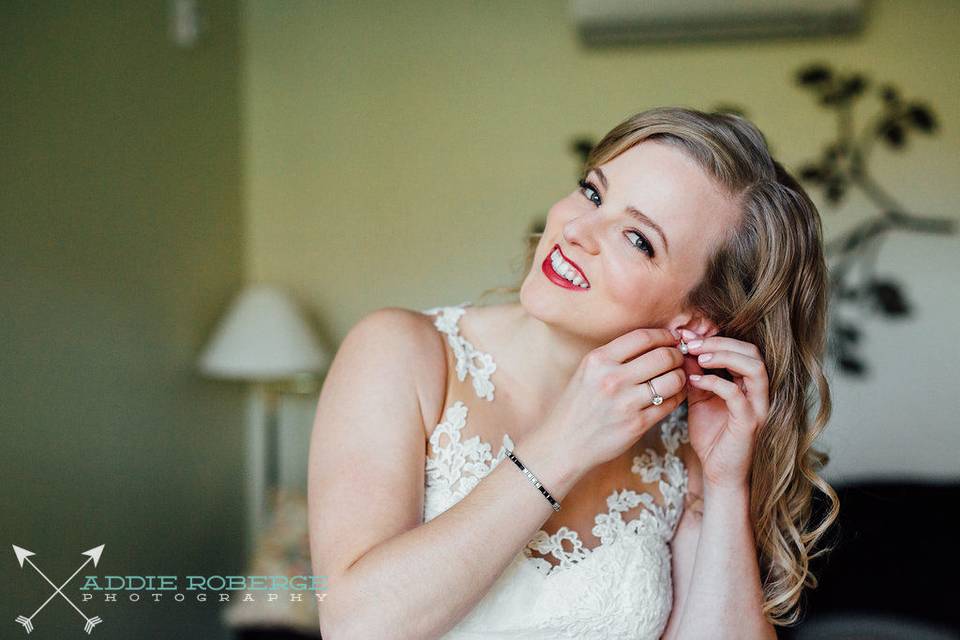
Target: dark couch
894	573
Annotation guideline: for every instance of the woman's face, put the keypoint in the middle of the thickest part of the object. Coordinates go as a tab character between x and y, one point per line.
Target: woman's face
636	276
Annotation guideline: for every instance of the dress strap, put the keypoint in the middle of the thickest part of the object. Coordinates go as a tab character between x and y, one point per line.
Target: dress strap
470	360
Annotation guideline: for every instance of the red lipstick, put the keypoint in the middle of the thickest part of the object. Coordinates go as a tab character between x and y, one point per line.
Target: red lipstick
547	267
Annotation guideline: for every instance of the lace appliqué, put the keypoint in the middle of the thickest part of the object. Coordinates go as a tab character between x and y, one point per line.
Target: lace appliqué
470	360
672	479
544	543
620	590
456	465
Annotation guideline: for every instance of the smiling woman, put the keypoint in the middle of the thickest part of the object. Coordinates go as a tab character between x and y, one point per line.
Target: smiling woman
682	226
748	254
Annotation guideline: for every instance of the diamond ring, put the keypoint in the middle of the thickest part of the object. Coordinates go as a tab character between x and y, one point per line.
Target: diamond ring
657	398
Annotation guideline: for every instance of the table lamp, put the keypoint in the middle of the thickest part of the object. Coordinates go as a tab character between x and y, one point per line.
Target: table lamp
265	340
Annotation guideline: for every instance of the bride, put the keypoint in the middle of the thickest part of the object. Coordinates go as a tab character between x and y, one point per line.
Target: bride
623	452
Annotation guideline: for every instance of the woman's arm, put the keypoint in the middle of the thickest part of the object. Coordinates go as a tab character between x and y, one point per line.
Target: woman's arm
725	599
683	554
388	573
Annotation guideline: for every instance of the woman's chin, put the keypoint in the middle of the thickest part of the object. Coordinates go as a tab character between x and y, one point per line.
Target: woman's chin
545	301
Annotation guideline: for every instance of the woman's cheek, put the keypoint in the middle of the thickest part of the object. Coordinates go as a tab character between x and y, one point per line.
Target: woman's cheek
628	289
641	301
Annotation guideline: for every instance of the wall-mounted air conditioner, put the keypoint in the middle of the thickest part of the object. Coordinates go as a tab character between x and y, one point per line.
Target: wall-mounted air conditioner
604	22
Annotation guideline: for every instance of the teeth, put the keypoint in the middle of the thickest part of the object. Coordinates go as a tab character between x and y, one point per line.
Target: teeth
564	268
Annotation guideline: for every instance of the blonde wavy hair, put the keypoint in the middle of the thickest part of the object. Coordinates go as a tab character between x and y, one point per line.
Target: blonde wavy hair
766	283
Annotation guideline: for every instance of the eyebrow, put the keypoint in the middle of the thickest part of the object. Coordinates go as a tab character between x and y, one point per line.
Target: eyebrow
635	213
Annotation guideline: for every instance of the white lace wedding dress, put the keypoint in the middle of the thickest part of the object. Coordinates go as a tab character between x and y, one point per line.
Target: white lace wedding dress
622	588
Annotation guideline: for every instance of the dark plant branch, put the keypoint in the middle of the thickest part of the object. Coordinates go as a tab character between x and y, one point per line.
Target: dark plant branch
843	166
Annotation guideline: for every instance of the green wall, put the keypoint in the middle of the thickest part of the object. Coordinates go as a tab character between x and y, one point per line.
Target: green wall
121	242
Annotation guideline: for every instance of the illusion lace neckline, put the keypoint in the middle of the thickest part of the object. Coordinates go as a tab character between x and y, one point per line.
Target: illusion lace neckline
457	466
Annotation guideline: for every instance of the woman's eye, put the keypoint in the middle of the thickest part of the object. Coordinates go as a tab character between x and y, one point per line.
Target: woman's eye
584	186
641	243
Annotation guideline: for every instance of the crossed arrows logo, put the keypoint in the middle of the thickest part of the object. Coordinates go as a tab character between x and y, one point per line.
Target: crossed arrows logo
27	622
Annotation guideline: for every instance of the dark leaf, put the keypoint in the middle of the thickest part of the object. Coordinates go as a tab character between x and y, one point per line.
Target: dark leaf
836	187
814	74
921	117
848	332
851	365
887	297
890	94
893	134
812	173
582	147
853	86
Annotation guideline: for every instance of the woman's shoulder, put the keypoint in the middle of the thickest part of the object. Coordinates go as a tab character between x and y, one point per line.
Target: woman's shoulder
410	339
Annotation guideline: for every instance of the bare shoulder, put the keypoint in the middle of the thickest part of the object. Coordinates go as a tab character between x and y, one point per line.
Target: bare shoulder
366	469
408	339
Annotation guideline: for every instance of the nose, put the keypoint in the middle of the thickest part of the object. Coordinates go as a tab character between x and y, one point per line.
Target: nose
582	232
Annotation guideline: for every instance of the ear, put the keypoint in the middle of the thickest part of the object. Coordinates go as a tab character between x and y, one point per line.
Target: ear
696	322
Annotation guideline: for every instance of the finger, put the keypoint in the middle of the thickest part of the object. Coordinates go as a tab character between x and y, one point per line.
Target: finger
653	413
737	404
636	342
717	343
752	371
652	363
690	363
667	385
692	367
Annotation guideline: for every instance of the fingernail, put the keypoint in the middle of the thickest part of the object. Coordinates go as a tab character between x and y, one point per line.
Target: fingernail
695	343
694	376
705	357
688	335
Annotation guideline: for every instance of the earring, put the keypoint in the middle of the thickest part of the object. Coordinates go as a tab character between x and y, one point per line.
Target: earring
683	347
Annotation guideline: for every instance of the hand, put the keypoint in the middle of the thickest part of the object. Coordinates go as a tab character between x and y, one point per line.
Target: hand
723	417
606	406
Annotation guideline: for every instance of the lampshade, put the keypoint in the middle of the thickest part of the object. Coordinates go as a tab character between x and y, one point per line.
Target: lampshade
263	337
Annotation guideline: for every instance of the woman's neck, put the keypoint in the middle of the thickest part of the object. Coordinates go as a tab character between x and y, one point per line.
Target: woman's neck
535	360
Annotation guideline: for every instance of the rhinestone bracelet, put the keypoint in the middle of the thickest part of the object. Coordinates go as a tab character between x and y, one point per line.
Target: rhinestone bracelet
533	479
